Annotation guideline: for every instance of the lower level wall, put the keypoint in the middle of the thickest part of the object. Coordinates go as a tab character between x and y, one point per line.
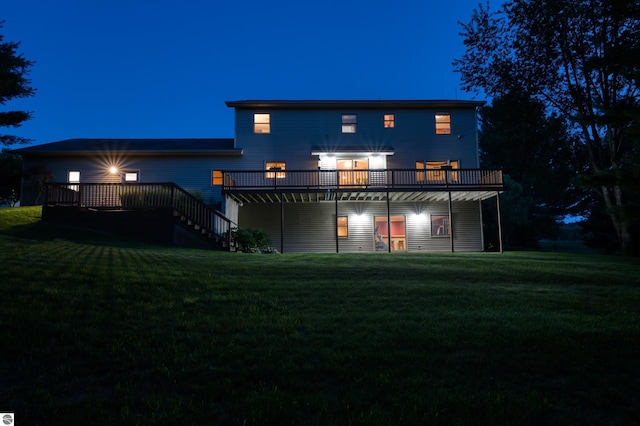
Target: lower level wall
311	227
152	226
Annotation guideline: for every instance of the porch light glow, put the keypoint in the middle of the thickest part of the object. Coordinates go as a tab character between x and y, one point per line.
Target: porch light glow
360	219
113	170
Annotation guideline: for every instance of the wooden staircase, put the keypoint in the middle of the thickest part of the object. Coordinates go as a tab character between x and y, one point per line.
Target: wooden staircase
202	222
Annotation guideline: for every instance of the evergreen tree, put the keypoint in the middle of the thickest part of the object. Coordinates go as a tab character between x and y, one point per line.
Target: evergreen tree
14	69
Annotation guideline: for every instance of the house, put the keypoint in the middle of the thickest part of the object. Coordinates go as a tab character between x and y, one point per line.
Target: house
319	176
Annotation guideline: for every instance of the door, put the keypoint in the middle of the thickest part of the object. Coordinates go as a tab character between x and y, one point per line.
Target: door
353	172
383	238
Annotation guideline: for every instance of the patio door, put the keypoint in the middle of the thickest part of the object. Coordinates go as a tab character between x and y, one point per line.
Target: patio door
383	236
353	172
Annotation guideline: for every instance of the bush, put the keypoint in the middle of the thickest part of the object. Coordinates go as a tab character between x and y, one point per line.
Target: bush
252	240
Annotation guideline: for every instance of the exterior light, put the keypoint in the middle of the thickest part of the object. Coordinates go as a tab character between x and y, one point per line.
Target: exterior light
113	170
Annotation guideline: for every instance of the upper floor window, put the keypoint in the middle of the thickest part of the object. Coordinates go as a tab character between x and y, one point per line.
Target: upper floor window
389	121
349	123
276	166
443	123
261	123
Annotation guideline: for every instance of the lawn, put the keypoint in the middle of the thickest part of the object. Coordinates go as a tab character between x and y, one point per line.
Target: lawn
100	330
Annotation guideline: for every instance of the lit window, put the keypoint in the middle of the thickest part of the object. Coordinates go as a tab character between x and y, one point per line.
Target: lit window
349	123
261	123
216	177
343	226
74	176
389	121
440	226
275	165
443	124
434	171
130	176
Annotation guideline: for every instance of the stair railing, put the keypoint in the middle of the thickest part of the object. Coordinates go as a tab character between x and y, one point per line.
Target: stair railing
143	196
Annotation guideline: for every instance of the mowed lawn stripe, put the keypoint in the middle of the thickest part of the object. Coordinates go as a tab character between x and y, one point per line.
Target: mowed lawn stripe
103	330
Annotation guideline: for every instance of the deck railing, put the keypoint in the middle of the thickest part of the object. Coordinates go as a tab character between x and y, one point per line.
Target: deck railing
133	196
387	179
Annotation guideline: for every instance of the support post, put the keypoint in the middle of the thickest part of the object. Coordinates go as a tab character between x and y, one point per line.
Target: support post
336	222
388	224
450	223
499	222
281	224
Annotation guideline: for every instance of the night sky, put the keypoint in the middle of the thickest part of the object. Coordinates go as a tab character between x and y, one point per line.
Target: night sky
163	69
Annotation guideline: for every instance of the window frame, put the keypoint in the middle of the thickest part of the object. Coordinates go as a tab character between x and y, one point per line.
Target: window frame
389	121
126	173
74	183
427	174
278	168
440	124
75	180
445	226
264	125
217	178
349	123
344	227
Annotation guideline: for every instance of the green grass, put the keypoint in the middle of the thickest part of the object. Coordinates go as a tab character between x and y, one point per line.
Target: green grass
100	330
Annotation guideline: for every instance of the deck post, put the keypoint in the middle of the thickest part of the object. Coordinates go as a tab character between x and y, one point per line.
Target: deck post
337	239
281	224
388	224
499	222
450	223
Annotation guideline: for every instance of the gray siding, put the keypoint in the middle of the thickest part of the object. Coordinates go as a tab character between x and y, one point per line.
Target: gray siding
191	173
311	227
295	132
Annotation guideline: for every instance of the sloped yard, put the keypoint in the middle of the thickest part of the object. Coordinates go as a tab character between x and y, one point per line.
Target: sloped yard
101	330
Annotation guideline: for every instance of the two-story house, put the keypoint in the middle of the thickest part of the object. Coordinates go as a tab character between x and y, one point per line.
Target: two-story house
319	176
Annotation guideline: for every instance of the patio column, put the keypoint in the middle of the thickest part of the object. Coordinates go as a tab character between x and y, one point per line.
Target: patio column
336	221
450	223
281	224
388	224
499	222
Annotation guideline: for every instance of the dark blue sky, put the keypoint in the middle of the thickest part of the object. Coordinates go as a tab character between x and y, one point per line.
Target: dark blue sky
158	68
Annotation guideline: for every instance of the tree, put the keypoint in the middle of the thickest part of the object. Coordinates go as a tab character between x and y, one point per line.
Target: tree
580	58
537	152
10	174
14	83
35	182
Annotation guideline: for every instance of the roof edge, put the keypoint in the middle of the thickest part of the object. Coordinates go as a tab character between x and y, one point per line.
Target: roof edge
356	104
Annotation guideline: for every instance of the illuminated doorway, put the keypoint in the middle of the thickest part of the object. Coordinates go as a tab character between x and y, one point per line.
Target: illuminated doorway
383	238
353	172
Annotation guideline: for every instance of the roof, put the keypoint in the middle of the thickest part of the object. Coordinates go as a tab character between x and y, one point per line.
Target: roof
134	147
354	104
383	150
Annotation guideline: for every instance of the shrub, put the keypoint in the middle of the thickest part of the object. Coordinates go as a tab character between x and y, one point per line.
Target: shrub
251	240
